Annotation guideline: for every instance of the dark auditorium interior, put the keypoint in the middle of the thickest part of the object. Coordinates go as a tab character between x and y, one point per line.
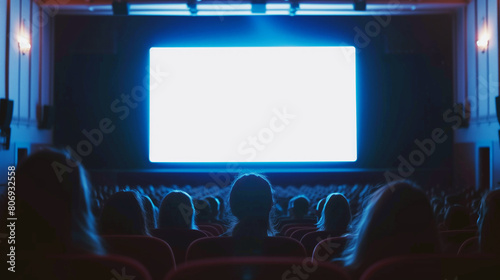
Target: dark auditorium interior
250	139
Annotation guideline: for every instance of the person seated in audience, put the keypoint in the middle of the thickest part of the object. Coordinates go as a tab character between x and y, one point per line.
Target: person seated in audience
319	208
177	211
336	215
489	224
475	207
451	200
176	223
203	211
151	212
53	209
123	214
456	218
251	201
298	208
222	209
397	220
438	208
214	210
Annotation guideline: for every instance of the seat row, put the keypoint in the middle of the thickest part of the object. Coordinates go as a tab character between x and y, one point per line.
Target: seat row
416	267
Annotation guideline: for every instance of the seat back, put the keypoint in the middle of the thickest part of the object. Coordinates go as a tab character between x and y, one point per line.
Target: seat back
470	246
287	226
220	229
84	267
453	239
311	239
299	233
220	247
179	240
258	268
210	229
329	248
435	267
154	253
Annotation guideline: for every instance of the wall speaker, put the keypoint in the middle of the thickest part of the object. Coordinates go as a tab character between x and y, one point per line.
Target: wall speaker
6	109
48	117
120	8
5	137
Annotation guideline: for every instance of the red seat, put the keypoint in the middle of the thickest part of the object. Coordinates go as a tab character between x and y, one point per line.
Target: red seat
84	267
290	231
222	228
219	227
470	246
453	239
179	240
219	247
210	229
207	233
435	267
329	248
302	225
299	233
154	253
289	221
258	268
311	239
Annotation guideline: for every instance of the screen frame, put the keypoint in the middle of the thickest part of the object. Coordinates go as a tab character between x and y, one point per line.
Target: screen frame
256	166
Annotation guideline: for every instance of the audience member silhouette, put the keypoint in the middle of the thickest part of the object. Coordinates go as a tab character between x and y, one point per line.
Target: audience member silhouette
438	209
251	201
336	215
456	217
489	223
319	208
53	209
222	209
176	224
298	208
397	220
123	214
177	211
203	211
214	207
214	210
151	212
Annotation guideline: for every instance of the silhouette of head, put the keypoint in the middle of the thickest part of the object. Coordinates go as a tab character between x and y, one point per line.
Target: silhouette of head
251	200
299	207
150	211
222	207
124	214
214	207
53	203
177	211
336	214
488	223
203	211
456	217
397	220
319	207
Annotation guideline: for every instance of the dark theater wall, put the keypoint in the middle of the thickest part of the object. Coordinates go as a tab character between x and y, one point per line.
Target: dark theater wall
404	82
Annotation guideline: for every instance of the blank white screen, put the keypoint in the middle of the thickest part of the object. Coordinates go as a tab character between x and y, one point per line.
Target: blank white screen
253	104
